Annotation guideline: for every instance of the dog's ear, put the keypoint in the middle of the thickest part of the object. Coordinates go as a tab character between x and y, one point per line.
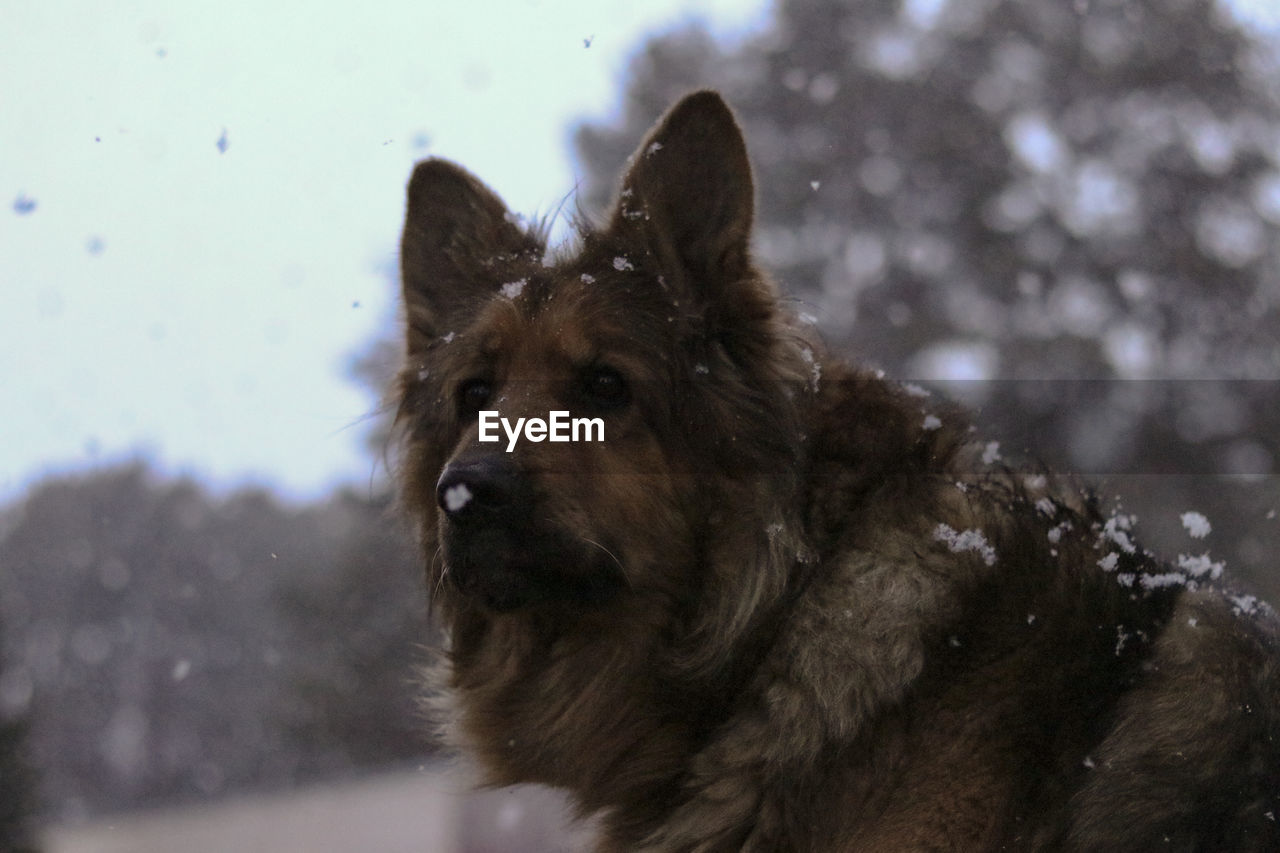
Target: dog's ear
689	189
458	239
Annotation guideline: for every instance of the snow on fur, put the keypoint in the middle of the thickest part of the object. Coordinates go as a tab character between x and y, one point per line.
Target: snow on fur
966	540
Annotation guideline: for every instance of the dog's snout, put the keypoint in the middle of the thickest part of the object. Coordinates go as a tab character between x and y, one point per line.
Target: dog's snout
477	488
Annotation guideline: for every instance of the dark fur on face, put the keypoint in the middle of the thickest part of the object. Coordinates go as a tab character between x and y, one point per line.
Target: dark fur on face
783	605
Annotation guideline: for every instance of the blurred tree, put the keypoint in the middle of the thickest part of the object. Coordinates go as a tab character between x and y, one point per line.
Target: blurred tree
1071	189
18	803
1051	193
156	660
365	627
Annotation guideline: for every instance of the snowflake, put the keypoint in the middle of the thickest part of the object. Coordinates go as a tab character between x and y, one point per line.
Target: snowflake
1246	604
1150	582
1116	530
456	497
965	540
1197	525
1200	566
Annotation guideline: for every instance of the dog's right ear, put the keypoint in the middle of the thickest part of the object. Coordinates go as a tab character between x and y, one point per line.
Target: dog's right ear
458	239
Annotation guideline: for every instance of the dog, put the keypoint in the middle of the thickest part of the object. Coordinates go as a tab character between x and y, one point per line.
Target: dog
783	604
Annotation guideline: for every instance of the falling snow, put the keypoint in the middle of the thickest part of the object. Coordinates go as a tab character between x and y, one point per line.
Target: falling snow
512	289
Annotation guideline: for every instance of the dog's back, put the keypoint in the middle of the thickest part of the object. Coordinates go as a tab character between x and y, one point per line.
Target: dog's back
1030	677
981	661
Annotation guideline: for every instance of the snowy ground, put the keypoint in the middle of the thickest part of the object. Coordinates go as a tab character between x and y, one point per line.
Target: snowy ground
417	812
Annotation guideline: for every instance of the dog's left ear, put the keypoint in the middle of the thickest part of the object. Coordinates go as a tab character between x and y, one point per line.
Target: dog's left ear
689	189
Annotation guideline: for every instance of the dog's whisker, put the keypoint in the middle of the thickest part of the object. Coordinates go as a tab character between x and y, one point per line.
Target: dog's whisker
444	570
612	556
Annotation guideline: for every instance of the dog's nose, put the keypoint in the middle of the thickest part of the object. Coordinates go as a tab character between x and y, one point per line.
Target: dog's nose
477	488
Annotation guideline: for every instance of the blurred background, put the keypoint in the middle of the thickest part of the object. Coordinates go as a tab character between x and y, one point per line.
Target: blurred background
1064	212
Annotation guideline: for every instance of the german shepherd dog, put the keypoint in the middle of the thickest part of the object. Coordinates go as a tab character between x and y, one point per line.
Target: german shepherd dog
783	604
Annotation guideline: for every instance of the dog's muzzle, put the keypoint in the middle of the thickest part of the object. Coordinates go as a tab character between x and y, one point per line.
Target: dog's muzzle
499	548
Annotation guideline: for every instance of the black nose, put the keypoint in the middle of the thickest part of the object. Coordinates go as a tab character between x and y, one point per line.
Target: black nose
473	489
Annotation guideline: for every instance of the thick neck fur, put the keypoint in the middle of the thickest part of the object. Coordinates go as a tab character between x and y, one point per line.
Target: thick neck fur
609	703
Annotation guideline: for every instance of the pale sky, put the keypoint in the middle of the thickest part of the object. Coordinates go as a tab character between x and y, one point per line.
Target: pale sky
199	203
200	306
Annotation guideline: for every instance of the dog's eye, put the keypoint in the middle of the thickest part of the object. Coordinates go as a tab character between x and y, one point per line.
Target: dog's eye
605	388
473	395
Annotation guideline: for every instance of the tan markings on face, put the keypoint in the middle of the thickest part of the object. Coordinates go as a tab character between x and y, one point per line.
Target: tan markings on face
619	497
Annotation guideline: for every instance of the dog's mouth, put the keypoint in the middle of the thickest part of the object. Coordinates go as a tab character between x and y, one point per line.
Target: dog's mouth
509	569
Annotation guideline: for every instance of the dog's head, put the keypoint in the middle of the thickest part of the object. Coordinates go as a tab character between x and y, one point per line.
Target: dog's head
657	334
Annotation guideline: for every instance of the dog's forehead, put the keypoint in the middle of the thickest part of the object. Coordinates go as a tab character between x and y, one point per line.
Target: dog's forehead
553	317
606	302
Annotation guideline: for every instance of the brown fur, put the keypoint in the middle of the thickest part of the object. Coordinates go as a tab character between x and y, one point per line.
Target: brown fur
775	610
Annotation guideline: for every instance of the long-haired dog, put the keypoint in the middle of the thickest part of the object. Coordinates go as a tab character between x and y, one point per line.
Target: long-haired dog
783	604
